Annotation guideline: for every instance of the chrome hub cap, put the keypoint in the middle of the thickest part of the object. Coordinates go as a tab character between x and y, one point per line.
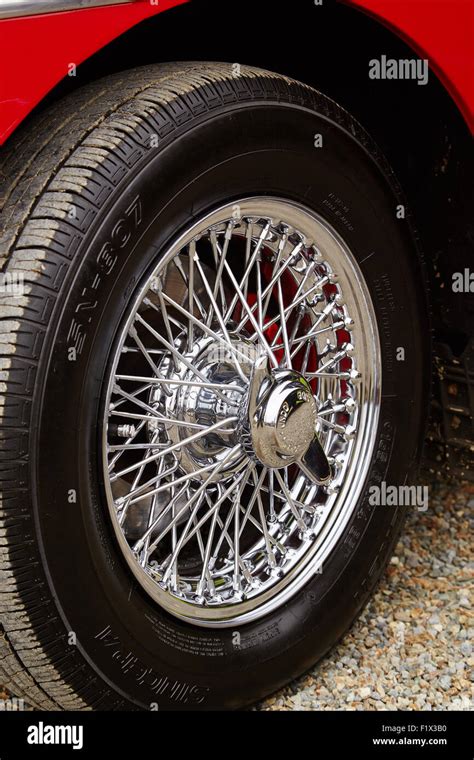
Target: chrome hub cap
241	411
284	423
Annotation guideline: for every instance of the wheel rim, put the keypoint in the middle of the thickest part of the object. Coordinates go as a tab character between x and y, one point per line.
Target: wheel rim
216	515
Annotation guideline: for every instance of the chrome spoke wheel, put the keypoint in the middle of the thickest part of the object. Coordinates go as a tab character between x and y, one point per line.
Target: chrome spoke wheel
241	411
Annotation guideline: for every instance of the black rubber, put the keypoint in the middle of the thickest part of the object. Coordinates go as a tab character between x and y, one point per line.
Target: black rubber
91	193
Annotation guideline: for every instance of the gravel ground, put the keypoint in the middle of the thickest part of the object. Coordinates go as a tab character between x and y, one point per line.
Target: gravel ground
412	647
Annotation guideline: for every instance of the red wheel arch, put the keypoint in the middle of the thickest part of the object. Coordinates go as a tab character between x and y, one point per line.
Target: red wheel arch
440	30
37	51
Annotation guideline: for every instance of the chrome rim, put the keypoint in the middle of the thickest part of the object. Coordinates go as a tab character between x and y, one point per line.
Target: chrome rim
241	411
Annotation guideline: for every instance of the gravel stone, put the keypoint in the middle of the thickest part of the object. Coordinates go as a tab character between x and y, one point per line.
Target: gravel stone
411	649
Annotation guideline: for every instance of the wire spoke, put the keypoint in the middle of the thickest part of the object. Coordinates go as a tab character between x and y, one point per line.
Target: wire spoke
175	353
223	341
174	382
246	307
176	446
244	281
275	278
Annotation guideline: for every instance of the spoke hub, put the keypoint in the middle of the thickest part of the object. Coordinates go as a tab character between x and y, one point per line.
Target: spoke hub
196	406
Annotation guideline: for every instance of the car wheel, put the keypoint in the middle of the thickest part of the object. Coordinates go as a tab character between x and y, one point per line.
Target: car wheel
202	382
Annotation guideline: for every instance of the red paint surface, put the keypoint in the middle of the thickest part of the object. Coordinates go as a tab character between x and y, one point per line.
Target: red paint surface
440	30
35	51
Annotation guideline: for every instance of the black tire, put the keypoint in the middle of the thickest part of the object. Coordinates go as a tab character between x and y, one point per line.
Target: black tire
61	572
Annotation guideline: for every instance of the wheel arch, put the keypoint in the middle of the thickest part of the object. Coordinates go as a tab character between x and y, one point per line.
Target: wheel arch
420	129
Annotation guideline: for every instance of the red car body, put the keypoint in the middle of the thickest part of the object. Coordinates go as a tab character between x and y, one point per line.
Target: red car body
38	51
